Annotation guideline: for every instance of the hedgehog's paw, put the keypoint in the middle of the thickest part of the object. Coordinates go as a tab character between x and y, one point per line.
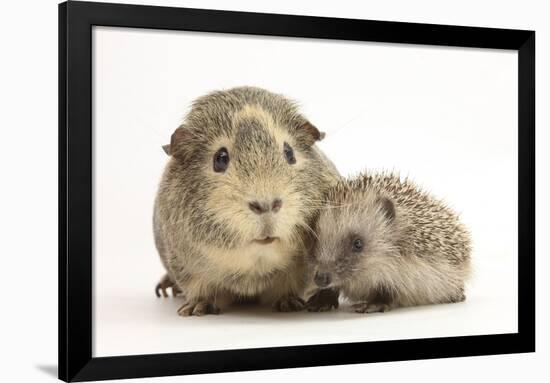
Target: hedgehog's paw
323	300
164	284
370	307
289	303
198	309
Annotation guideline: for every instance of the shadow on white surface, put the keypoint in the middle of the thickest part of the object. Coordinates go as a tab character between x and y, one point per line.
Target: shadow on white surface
48	369
137	322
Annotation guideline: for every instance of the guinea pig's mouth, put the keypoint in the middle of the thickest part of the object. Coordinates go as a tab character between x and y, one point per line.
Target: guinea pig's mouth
265	241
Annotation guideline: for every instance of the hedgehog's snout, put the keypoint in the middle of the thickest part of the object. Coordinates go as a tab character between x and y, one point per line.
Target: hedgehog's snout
322	279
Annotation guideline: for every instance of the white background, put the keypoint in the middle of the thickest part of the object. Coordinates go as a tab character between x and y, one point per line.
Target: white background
447	117
29	204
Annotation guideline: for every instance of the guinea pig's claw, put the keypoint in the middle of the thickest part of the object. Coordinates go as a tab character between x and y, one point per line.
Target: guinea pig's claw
366	307
198	309
158	289
288	304
163	285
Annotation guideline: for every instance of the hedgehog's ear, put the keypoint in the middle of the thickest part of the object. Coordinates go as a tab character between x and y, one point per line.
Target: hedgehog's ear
387	207
310	133
178	138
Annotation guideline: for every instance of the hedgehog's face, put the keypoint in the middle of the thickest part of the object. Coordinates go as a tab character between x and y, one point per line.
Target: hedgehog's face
259	182
350	234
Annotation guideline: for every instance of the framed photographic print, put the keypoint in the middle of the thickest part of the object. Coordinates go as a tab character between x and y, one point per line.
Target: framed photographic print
244	191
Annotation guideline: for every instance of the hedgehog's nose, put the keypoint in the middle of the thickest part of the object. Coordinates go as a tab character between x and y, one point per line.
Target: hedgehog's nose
322	279
261	207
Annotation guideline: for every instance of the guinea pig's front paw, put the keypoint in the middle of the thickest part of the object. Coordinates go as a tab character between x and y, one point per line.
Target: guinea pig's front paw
289	303
323	300
370	307
198	309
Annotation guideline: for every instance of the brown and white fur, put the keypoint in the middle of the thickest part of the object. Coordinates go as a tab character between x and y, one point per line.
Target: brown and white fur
241	233
384	243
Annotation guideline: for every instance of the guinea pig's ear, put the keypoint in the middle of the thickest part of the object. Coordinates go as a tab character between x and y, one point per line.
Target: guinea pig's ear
310	133
179	137
387	207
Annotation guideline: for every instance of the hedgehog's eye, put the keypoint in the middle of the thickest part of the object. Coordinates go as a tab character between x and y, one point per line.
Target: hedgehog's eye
221	160
289	154
357	245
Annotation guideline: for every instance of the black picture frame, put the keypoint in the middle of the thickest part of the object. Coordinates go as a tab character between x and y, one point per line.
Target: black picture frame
75	190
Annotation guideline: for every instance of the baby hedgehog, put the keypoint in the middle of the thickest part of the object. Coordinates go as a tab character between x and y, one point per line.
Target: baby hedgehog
385	243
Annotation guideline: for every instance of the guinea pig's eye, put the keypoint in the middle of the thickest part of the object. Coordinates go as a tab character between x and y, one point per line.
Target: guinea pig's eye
357	245
289	154
221	160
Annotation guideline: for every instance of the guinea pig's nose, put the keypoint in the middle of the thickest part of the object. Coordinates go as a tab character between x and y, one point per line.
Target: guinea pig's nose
322	279
276	205
260	207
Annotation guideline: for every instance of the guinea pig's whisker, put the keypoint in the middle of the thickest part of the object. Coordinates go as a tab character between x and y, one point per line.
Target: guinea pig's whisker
323	203
344	125
330	206
306	226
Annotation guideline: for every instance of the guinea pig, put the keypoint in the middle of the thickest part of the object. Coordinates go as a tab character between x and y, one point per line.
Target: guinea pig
237	199
384	243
